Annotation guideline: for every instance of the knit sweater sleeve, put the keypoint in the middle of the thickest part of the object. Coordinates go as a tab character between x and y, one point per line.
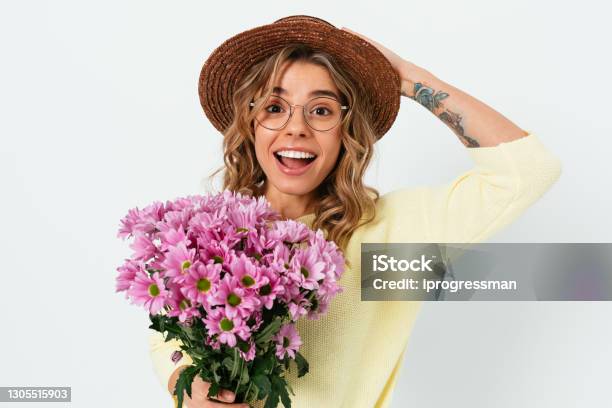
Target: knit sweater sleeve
503	182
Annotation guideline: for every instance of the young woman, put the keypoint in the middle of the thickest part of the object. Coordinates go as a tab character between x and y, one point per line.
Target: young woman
300	104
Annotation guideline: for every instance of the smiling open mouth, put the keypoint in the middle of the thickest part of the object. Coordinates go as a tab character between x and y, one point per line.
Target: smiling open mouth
294	163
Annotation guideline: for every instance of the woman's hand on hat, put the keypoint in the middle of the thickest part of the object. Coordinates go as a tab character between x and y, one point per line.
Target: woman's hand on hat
405	69
396	61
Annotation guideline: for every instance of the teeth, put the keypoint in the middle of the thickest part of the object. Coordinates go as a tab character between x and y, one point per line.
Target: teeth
295	155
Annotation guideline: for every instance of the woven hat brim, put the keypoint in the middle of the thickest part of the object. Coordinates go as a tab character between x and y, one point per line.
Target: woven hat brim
364	62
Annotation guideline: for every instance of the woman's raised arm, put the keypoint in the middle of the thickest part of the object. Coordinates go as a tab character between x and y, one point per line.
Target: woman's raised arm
503	183
512	167
475	123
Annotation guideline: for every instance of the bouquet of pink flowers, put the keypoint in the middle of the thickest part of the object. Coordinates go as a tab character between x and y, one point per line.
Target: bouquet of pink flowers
226	276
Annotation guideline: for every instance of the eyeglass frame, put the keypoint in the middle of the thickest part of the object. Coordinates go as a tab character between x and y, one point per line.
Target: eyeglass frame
291	106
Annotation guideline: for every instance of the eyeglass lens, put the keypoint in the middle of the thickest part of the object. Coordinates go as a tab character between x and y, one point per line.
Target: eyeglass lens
321	113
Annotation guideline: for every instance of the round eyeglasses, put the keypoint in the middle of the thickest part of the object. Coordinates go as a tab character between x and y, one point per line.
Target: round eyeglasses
322	113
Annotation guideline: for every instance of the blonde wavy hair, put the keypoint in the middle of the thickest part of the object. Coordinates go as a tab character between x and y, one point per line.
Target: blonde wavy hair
344	202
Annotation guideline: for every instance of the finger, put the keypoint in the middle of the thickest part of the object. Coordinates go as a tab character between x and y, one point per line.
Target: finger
384	50
199	389
226	396
196	400
198	395
357	34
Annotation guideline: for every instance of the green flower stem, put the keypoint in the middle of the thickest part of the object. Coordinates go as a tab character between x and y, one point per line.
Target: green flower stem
246	395
235	365
239	379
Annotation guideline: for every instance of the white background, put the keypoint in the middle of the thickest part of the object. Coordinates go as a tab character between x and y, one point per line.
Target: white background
99	114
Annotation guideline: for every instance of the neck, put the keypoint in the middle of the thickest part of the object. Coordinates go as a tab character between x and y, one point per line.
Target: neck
290	206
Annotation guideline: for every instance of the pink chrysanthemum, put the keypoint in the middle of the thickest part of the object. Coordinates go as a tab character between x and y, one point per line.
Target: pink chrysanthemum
306	268
329	253
271	287
171	237
207	226
182	307
249	354
215	251
201	281
288	341
149	291
237	300
178	260
298	307
143	247
127	273
225	327
322	298
141	221
246	272
242	217
292	231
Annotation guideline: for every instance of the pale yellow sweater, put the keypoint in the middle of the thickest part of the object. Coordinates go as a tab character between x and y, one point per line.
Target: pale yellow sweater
356	350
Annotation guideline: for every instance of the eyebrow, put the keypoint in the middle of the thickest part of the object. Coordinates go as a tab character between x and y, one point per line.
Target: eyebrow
319	92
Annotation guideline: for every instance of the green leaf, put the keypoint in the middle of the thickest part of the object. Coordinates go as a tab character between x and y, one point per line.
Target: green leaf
214	366
228	363
272	400
263	364
183	384
302	364
155	322
213	390
263	385
244	377
254	391
285	397
201	353
171	336
266	334
279	387
236	365
168	326
290	389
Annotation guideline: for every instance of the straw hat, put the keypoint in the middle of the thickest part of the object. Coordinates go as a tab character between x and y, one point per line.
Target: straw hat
367	66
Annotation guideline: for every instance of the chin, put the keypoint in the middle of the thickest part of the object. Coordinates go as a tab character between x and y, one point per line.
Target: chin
291	187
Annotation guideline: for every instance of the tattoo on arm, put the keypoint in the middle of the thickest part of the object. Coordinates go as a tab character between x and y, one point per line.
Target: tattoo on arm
432	100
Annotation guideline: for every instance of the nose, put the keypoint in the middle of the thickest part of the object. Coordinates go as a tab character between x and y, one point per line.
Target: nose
297	124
